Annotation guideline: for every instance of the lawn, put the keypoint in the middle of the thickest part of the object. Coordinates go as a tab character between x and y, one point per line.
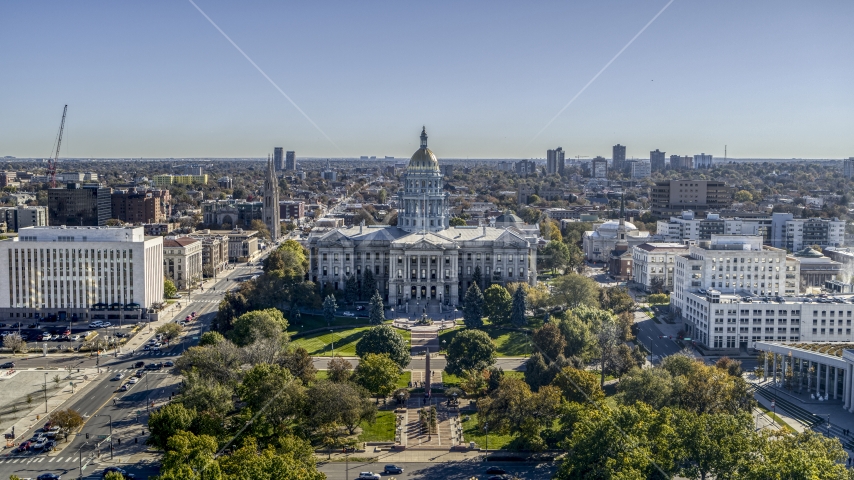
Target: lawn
382	430
454	381
403	381
507	343
472	433
319	344
311	322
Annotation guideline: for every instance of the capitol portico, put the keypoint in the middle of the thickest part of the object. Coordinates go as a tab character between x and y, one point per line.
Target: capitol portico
422	260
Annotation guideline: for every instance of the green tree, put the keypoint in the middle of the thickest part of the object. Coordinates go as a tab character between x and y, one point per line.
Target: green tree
220	362
743	196
169	289
653	386
578	335
369	284
167	422
376	310
329	308
477	277
351	289
188	455
457	222
806	455
473	307
578	385
555	255
273	391
513	409
288	463
658	299
169	330
518	308
549	341
574	290
384	339
718	445
470	350
67	420
210	338
298	361
497	303
268	324
617	300
339	369
334	403
606	339
378	374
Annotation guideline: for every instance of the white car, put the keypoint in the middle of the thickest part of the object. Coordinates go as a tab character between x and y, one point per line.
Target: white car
349	314
133	380
95	325
369	476
156	347
106	324
74	338
119	376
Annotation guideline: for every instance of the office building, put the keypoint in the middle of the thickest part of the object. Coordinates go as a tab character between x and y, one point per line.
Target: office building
702	161
688	228
598	243
22	216
291	161
329	174
271	203
226	182
137	206
182	261
214	253
652	265
231	213
88	205
447	170
421	263
278	159
618	156
599	168
640	169
555	161
796	233
167	180
816	269
674	196
80	273
848	168
523	168
681	163
656	161
242	245
292	210
9	179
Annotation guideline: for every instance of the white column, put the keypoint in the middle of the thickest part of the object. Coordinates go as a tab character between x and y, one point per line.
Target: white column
765	371
849	372
835	381
774	372
845	387
826	380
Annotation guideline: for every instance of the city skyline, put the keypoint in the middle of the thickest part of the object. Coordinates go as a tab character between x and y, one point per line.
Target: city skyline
160	81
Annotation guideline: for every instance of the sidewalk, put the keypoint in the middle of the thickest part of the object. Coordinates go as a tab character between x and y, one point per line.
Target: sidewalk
37	417
401	456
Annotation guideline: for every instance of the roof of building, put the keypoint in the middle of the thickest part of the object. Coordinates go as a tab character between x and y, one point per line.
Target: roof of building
653	246
508	217
179	242
808	252
423	160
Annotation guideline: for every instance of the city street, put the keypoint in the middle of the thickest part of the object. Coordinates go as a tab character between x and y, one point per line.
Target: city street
447	470
101	404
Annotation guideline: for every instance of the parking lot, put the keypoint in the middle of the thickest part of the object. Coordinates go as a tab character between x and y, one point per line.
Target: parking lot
64	335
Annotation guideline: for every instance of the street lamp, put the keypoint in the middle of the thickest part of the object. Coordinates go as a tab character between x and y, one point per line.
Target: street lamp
45	392
443	344
331	332
486	428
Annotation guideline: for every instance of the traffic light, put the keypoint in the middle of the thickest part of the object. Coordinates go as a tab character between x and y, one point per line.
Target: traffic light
87	436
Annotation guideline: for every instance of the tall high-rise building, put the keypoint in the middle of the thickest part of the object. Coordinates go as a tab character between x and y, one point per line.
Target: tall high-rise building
681	163
702	161
656	160
278	159
86	206
271	203
291	161
848	167
599	168
619	158
555	161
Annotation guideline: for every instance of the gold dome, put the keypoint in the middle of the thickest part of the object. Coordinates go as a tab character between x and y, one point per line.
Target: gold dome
423	160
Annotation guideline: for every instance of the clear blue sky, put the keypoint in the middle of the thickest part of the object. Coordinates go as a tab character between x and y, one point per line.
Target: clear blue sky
155	79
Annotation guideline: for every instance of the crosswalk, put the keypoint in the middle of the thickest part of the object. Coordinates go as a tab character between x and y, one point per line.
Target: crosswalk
24	460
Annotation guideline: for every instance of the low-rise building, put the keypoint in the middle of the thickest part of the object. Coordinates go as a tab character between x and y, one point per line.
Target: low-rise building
214	253
816	269
601	241
236	213
292	210
166	180
182	261
242	245
22	216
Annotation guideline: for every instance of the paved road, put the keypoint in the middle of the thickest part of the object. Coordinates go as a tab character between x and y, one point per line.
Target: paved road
453	470
128	414
648	334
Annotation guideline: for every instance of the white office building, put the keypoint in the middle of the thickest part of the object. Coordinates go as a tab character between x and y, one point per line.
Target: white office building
797	233
652	265
641	169
687	227
80	273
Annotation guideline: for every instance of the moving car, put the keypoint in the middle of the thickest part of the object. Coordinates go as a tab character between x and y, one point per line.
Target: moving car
8	365
119	376
106	324
169	363
495	470
349	314
392	469
123	388
49	476
138	365
369	476
132	380
95	325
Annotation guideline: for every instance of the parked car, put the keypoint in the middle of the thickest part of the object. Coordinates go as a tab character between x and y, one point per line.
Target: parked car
24	446
169	363
45	337
495	470
74	338
51	444
360	308
368	476
49	476
138	365
40	443
156	347
106	324
349	314
95	325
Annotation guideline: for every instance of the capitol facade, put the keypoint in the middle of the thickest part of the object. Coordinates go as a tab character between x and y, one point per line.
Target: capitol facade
423	262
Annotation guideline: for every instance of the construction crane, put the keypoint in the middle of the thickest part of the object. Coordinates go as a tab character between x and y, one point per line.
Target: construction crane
51	165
